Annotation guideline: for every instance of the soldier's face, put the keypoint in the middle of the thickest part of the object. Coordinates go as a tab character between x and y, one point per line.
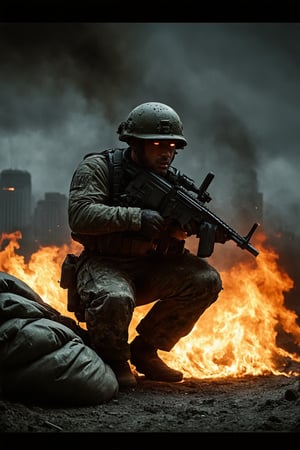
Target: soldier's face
157	155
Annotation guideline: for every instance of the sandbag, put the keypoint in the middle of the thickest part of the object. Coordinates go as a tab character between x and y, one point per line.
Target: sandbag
41	358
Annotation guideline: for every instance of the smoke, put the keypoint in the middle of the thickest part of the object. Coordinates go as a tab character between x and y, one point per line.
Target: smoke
65	87
93	60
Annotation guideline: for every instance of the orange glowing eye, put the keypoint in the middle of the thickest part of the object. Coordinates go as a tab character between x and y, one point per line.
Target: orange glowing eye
172	145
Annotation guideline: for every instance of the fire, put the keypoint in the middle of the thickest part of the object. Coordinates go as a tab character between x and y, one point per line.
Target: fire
235	337
41	272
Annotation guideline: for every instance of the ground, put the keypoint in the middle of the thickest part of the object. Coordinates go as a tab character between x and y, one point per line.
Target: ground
264	404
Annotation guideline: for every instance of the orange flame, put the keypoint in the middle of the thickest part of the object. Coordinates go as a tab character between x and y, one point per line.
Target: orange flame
235	337
41	272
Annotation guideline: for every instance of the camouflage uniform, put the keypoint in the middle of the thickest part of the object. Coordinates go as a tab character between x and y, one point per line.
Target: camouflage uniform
119	270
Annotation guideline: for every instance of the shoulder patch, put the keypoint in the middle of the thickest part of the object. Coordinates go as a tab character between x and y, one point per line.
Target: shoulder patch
80	180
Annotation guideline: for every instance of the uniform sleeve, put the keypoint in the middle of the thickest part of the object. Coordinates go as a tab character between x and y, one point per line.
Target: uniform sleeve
89	210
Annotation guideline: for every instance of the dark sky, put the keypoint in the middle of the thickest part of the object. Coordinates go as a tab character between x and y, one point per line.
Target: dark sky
65	87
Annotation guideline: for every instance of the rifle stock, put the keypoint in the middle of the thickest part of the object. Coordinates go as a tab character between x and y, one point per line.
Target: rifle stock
149	190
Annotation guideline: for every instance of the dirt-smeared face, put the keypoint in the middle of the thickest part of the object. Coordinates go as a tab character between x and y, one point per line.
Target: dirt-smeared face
157	155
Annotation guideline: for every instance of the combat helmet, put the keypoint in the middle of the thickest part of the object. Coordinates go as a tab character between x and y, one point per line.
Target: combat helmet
152	120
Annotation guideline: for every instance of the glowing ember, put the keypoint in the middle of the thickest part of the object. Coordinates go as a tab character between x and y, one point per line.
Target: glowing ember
235	337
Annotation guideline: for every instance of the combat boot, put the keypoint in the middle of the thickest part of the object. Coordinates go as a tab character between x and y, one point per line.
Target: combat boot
125	377
144	357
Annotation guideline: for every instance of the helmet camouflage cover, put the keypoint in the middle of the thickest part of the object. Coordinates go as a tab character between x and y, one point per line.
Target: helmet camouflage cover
152	120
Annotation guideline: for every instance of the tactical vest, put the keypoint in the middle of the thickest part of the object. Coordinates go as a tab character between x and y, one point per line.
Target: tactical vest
125	243
116	160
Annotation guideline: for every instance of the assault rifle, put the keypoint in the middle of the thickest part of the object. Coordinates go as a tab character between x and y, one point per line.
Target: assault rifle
174	200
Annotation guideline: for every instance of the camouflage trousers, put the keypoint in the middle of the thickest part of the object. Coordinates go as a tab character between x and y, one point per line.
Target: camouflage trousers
181	286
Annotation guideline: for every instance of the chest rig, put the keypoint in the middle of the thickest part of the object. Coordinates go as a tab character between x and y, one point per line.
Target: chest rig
118	160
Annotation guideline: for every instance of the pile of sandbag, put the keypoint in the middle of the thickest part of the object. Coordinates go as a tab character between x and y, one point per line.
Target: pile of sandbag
45	356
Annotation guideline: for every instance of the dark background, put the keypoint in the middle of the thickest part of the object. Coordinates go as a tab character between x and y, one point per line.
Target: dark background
70	76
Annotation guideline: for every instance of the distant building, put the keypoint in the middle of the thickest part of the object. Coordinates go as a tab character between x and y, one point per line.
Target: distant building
15	200
50	221
43	225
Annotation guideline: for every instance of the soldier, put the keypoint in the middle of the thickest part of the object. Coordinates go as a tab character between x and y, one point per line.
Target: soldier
133	256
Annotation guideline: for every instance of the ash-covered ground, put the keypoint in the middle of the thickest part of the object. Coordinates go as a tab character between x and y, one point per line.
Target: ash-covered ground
264	404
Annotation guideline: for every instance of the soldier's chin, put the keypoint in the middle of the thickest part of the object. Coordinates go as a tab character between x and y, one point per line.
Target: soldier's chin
161	168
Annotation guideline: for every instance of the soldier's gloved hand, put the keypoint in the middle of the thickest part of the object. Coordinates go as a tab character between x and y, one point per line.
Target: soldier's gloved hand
192	227
152	223
176	231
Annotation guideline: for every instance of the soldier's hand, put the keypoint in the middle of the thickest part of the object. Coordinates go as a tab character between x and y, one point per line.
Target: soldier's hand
192	227
152	223
176	231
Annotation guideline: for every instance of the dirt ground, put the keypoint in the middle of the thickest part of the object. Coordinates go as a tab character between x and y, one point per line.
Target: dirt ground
264	404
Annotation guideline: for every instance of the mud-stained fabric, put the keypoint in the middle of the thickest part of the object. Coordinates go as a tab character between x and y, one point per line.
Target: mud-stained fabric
184	286
108	297
89	200
43	358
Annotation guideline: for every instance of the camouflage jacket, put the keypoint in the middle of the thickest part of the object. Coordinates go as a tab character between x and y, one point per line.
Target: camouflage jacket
100	224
